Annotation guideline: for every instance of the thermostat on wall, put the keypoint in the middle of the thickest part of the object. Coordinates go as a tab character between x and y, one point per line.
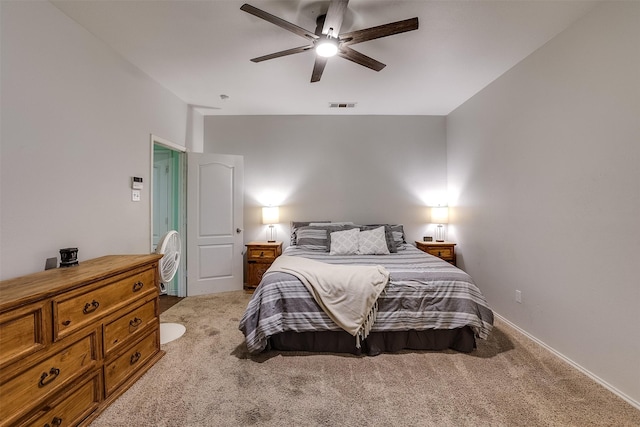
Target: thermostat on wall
136	183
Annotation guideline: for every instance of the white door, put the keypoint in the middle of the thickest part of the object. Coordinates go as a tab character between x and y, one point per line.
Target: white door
214	223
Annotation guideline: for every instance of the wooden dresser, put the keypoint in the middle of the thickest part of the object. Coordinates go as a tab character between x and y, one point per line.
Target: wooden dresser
260	256
73	339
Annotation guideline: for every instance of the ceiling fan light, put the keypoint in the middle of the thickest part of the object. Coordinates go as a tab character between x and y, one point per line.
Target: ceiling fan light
327	48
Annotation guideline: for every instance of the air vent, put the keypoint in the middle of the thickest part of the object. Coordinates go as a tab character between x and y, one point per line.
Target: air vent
342	104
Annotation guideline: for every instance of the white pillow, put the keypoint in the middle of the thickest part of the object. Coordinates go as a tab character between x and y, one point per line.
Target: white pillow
372	242
344	242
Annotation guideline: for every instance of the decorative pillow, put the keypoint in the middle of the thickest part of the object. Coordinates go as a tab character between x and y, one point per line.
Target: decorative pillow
388	235
314	238
333	228
344	242
372	242
297	224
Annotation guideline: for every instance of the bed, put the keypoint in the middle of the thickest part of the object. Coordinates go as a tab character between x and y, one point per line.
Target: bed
427	303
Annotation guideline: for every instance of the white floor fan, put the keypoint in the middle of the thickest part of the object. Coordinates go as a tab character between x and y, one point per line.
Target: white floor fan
170	248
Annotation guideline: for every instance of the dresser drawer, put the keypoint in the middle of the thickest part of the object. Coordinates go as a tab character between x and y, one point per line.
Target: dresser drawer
444	253
22	332
258	253
81	309
128	326
122	367
78	403
47	377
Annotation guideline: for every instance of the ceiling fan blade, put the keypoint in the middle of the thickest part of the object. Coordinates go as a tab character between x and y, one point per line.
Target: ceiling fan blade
385	30
318	68
335	15
283	53
359	58
278	21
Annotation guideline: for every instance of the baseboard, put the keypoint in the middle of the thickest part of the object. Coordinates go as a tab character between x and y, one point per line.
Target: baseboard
591	375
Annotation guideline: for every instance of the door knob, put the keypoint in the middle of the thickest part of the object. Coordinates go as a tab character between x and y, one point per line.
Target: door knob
238	230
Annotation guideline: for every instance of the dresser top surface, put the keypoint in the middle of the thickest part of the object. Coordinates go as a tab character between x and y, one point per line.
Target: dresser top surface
47	283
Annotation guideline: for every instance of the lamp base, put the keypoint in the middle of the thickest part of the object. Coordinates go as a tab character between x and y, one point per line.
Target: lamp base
271	234
440	233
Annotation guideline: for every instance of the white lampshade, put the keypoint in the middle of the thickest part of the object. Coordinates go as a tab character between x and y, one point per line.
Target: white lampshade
440	215
270	215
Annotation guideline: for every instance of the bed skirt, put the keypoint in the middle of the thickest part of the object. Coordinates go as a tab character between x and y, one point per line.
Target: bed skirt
461	339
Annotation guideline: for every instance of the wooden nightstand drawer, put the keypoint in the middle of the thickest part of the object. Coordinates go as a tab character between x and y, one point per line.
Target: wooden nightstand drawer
442	250
444	253
260	252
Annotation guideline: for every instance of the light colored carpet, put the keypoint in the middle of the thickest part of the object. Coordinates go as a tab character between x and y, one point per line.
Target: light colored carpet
207	378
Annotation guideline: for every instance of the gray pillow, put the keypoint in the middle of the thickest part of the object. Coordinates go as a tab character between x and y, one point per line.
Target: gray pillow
295	225
318	238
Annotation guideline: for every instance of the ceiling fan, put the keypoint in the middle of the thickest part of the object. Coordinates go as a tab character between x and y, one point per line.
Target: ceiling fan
327	39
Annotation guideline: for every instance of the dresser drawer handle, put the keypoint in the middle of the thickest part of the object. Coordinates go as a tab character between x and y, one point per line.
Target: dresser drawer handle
135	322
90	307
261	254
66	322
55	422
439	253
52	374
137	286
134	357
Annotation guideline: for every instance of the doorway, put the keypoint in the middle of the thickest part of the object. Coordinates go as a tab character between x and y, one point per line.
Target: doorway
168	203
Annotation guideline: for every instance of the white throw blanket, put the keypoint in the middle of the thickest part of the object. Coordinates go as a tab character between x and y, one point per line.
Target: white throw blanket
347	293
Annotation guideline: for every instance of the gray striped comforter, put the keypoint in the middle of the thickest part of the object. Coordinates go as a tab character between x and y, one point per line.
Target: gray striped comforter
424	292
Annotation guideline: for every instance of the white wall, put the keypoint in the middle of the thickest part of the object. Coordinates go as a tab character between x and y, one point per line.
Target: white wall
366	169
544	174
76	120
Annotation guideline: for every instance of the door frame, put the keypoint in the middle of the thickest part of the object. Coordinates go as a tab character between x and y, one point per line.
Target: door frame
182	200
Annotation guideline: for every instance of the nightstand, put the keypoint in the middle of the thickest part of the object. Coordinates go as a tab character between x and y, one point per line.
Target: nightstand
260	256
444	250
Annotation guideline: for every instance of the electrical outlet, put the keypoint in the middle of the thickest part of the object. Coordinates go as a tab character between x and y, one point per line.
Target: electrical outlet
518	297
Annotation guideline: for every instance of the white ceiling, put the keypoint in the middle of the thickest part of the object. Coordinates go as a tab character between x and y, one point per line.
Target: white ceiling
200	50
